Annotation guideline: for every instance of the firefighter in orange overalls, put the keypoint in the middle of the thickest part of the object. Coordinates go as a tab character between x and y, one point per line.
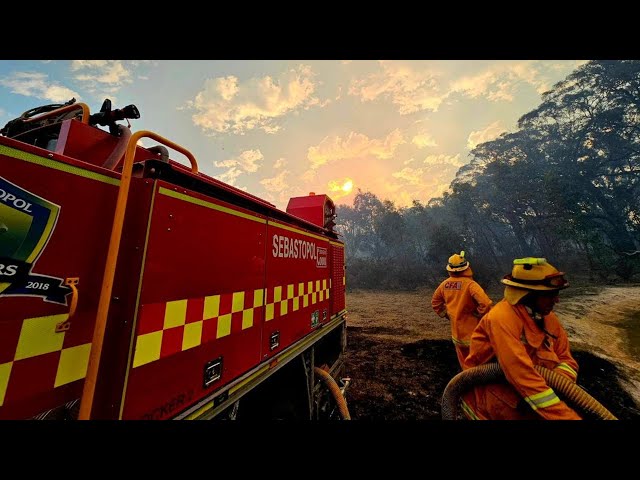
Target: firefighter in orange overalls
522	331
460	299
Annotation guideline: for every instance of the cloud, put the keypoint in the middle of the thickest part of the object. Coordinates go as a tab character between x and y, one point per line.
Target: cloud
424	140
563	66
101	72
136	63
308	176
33	84
277	183
499	82
281	162
401	181
485	84
227	105
230	176
480	136
355	145
443	160
278	189
421	183
413	176
412	91
80	64
247	161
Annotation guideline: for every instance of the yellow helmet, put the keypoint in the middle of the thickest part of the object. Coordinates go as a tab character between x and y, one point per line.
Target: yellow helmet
457	262
535	274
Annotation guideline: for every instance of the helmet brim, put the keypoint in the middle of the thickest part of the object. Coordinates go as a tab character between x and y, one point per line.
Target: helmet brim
458	269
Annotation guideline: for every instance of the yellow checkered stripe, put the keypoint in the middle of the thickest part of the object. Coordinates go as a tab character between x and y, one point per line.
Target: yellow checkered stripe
217	316
292	297
38	337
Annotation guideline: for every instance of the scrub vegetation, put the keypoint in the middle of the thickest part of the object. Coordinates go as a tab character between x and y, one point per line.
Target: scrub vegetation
565	186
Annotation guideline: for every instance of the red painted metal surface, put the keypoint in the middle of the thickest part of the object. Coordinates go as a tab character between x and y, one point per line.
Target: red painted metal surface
84	142
338	275
314	208
76	248
200	252
297	263
195	251
119	329
91	144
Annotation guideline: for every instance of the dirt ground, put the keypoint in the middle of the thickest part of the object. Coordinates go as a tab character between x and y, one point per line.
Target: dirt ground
400	356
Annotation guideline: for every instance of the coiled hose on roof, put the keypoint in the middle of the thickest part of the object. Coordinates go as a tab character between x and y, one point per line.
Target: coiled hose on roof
335	392
491	373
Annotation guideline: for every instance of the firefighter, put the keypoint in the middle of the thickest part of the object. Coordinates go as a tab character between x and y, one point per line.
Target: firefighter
462	300
522	331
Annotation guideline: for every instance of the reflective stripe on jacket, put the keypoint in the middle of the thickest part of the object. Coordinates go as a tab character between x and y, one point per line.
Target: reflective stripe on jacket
509	333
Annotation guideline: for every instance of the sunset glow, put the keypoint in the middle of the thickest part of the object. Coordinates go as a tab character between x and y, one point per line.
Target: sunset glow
400	129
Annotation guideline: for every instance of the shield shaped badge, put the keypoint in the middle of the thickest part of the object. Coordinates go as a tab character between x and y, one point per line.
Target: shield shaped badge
27	222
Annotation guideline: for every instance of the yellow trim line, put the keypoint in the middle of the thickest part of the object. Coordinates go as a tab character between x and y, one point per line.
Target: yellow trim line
56	165
291	229
212	206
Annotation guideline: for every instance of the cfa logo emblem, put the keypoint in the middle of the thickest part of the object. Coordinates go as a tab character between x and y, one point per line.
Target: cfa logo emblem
26	224
453	285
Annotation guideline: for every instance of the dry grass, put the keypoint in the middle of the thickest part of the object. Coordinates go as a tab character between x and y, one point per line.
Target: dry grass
405	316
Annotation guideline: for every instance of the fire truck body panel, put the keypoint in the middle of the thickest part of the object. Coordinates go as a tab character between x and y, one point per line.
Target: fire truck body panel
297	286
214	291
338	278
200	301
37	362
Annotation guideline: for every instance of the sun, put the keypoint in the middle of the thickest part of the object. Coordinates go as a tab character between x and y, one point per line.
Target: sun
347	186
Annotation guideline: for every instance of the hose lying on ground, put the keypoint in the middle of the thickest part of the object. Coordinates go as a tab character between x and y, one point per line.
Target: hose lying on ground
335	392
492	373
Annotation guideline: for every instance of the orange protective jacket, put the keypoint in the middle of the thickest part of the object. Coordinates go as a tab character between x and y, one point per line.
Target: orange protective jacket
464	301
509	333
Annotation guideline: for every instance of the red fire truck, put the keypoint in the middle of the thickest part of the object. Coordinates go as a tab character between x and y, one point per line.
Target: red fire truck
135	287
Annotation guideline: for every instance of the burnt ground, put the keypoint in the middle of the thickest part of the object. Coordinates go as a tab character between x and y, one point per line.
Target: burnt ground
395	379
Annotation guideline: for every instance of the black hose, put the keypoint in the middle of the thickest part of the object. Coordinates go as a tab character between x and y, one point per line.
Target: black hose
162	150
492	373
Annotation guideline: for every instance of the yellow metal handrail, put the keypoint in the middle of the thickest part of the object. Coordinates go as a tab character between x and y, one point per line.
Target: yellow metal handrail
86	402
